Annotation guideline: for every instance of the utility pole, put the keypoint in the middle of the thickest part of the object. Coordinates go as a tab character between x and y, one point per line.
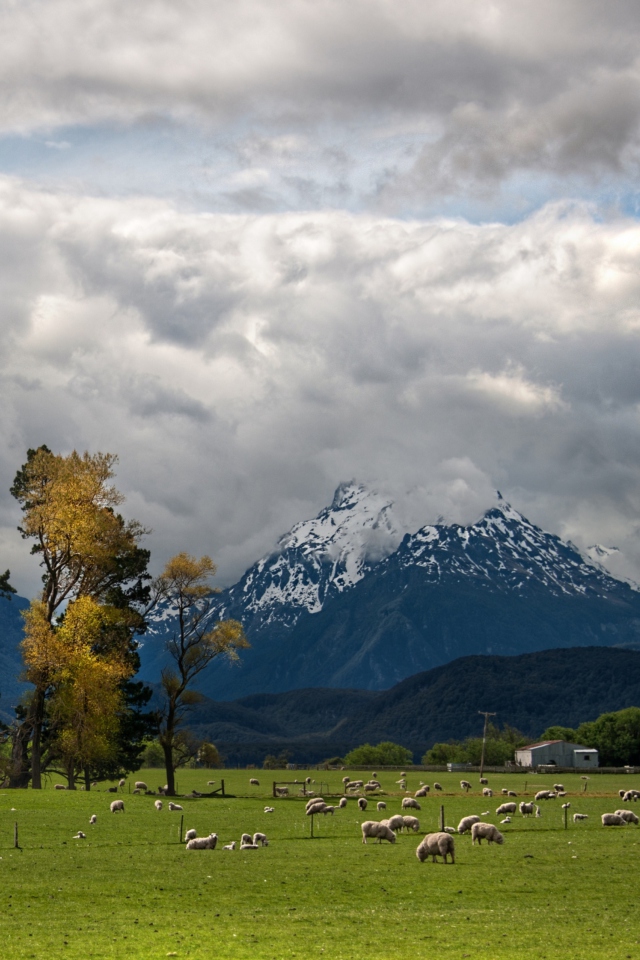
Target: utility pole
486	715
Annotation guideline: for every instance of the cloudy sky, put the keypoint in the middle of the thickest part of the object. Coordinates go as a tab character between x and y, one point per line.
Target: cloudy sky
258	248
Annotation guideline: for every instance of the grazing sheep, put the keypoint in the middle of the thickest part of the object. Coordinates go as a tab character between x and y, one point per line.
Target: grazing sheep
315	808
380	831
412	823
613	820
254	783
436	785
580	816
158	804
436	845
210	783
467	822
545	795
80	835
308	780
93	818
558	787
122	782
174	806
362	803
506	808
565	806
246	838
631	796
511	793
621	793
465	785
140	785
627	815
487	792
191	834
94	783
59	786
395	823
282	791
343	802
346	780
409	802
561	793
450	829
203	843
269	809
328	809
109	789
485	831
230	846
117	805
370	787
135	791
483	780
313	801
260	839
381	805
504	790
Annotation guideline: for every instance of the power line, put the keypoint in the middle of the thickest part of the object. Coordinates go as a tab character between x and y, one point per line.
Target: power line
486	714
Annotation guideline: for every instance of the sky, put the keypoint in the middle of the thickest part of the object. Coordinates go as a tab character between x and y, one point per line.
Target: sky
257	249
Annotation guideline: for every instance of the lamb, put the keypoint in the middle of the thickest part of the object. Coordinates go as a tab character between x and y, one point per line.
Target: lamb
485	831
117	805
506	820
378	830
191	834
260	839
362	803
409	802
627	815
483	780
343	802
450	829
230	846
381	805
558	787
580	816
158	804
109	789
210	783
436	845
249	846
346	780
511	793
80	835
621	794
565	806
93	818
506	808
467	822
613	820
527	809
504	790
422	792
140	785
436	785
328	809
135	791
269	809
121	782
254	783
203	843
487	792
412	823
174	806
395	823
465	785
59	786
282	791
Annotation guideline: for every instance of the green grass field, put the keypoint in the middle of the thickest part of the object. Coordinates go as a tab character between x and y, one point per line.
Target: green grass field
131	890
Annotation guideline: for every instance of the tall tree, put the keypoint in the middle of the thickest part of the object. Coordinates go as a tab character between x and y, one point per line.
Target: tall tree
196	639
6	590
86	549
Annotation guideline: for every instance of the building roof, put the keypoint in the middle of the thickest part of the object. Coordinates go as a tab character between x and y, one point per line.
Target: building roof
548	743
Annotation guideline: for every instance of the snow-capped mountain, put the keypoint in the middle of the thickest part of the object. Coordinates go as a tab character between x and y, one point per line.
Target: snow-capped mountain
346	600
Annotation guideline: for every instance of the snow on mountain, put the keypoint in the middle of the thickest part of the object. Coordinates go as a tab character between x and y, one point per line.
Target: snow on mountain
327	554
507	551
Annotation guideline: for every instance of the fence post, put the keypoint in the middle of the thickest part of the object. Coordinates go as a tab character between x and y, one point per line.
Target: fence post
274	789
222	782
442	818
15	834
181	823
311	818
565	817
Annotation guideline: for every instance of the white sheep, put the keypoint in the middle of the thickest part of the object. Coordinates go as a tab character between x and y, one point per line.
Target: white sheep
117	805
260	839
269	809
436	845
174	806
612	820
506	820
527	809
483	780
203	843
381	805
487	792
379	831
621	794
627	815
282	791
93	818
565	806
467	822
558	787
315	808
504	790
191	834
230	846
422	792
485	831
545	795
121	782
395	823
313	801
580	816
506	808
249	846
59	786
362	803
80	835
343	802
210	783
136	791
412	823
409	802
254	783
157	804
436	785
511	793
465	785
450	829
140	785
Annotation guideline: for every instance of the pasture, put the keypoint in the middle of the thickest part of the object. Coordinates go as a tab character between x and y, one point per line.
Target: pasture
132	890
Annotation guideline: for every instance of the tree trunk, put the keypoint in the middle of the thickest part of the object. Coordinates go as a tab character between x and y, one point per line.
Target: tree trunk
71	776
87	779
168	765
36	743
19	773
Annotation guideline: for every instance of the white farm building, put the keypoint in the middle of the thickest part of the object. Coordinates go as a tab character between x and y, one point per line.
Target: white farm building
557	753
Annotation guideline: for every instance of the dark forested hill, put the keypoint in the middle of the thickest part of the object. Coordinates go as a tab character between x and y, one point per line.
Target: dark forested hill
10	660
530	692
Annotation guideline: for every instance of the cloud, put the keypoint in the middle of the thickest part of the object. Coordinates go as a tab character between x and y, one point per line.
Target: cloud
454	99
241	366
